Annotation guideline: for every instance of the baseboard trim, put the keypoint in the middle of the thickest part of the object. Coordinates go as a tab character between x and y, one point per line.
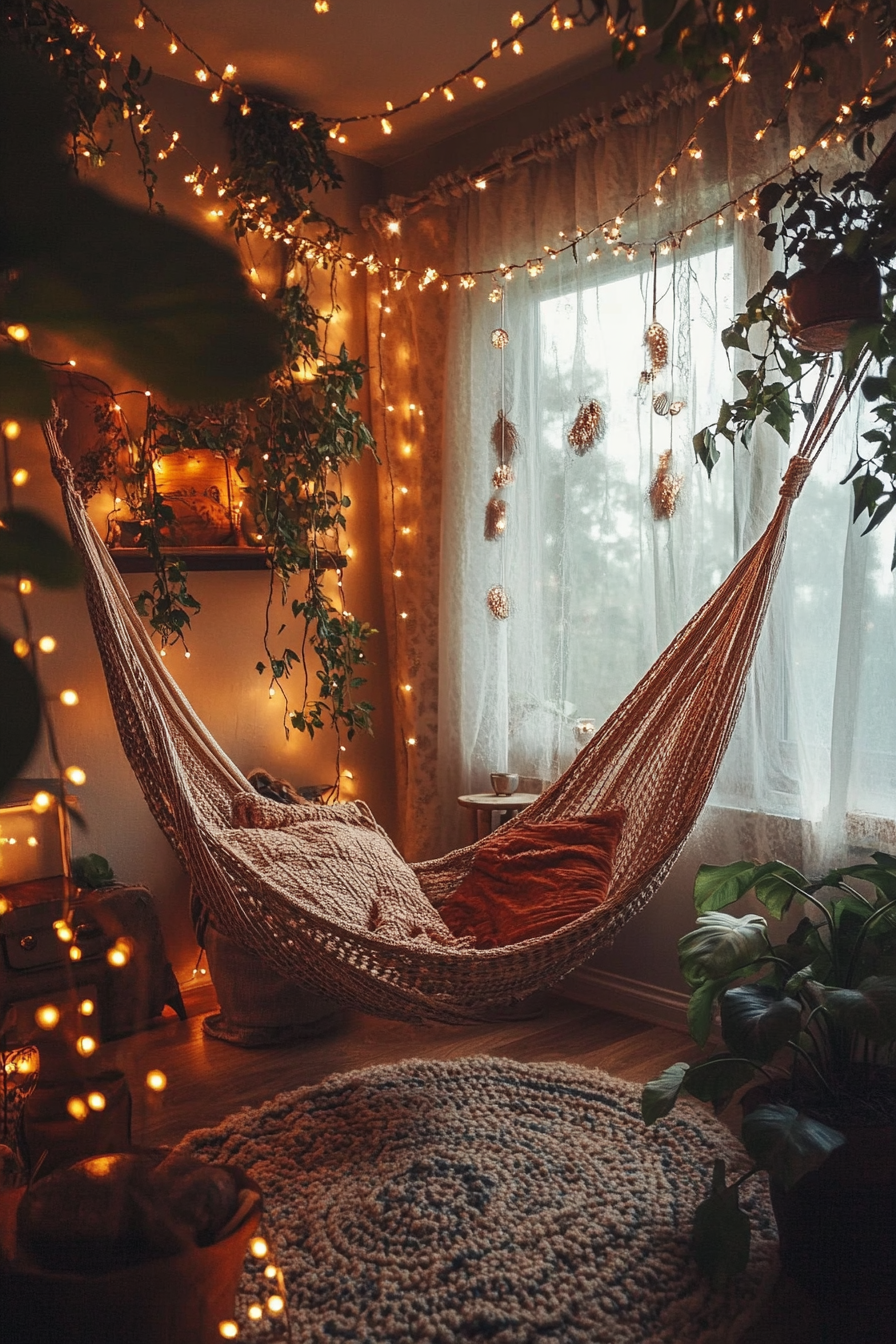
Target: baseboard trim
603	989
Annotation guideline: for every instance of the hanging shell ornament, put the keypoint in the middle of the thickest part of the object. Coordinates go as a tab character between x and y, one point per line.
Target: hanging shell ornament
495	518
664	488
661	404
656	338
499	338
498	602
589	427
677	407
505	438
503	476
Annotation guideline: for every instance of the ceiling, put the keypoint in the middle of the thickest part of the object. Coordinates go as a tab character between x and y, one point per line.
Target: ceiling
360	55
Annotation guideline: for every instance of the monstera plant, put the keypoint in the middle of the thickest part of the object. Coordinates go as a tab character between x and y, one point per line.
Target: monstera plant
809	1014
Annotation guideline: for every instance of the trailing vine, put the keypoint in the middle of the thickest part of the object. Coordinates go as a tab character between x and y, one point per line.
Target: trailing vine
290	444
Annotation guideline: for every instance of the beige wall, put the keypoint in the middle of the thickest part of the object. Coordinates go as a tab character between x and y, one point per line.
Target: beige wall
220	677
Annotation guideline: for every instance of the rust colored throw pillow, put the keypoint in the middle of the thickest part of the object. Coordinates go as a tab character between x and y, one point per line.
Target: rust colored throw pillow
532	879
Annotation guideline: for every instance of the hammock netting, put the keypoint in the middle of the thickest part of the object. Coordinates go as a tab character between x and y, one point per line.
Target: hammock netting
656	757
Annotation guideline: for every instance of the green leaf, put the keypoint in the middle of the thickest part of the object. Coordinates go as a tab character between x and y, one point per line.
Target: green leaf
700	1008
20	713
30	545
659	1096
721	1235
92	870
774	890
869	1009
705	449
720	945
716	887
717	1079
857	340
757	1020
24	386
787	1144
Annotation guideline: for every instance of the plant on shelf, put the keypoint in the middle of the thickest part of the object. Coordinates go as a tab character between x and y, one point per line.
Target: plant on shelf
835	292
812	1017
291	441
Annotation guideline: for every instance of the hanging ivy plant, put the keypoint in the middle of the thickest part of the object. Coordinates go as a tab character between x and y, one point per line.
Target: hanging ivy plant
290	444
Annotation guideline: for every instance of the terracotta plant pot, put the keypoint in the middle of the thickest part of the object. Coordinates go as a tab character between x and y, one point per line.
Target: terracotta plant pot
178	1300
823	305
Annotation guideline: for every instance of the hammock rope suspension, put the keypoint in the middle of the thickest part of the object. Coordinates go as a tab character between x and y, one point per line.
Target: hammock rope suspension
656	756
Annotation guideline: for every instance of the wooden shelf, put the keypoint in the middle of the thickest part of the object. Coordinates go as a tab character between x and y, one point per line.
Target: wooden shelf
134	560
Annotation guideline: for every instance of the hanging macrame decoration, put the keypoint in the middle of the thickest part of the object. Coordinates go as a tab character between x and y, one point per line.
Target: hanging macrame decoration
588	428
664	488
498	602
503	477
505	438
656	338
495	518
499	338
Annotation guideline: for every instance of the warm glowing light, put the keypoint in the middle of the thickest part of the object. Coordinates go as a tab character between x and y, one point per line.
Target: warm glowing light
74	952
46	643
32	842
47	1016
229	71
11	428
403	615
26	587
5	906
386	125
63	931
17	331
397	573
202	76
19	477
120	953
479	81
258	1246
41	802
230	1329
517	48
69	697
255	1312
87	1007
406	686
85	1045
412	741
156	1080
276	1304
75	775
77	1108
96	1101
172	47
270	1272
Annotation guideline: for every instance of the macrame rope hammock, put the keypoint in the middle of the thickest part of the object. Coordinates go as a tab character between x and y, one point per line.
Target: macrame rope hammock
656	757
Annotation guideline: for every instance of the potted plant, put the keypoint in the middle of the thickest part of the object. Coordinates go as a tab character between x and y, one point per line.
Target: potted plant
811	1016
836	291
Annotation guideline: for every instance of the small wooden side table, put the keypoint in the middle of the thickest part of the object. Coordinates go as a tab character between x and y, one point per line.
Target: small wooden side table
485	805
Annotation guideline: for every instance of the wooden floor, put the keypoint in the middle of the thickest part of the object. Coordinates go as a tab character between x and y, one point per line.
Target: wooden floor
208	1080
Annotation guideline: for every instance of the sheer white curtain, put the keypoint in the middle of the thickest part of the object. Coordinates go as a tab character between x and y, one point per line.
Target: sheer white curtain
597	585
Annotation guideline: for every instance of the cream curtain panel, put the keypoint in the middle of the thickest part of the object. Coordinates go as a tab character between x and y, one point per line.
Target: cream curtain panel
597	584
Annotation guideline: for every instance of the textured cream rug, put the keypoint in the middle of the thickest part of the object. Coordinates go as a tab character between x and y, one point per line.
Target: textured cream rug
480	1199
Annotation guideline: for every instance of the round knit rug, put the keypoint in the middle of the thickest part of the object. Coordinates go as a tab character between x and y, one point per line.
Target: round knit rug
481	1199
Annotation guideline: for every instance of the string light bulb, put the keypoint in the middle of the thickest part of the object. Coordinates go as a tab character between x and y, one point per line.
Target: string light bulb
230	1329
20	476
96	1101
46	644
119	953
11	428
156	1080
77	1108
75	775
17	331
25	587
69	697
47	1016
85	1045
41	802
259	1247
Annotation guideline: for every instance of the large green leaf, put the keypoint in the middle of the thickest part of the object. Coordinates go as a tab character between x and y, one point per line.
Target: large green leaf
700	1008
776	889
720	945
30	545
717	1079
757	1020
24	386
660	1095
721	1235
716	887
20	713
787	1144
869	1009
168	304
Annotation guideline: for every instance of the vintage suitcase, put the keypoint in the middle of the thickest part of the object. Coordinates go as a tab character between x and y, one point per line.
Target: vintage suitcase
34	962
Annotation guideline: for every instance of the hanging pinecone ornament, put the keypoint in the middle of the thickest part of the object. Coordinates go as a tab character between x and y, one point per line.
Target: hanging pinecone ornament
498	602
503	477
505	438
495	518
664	488
656	338
588	428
